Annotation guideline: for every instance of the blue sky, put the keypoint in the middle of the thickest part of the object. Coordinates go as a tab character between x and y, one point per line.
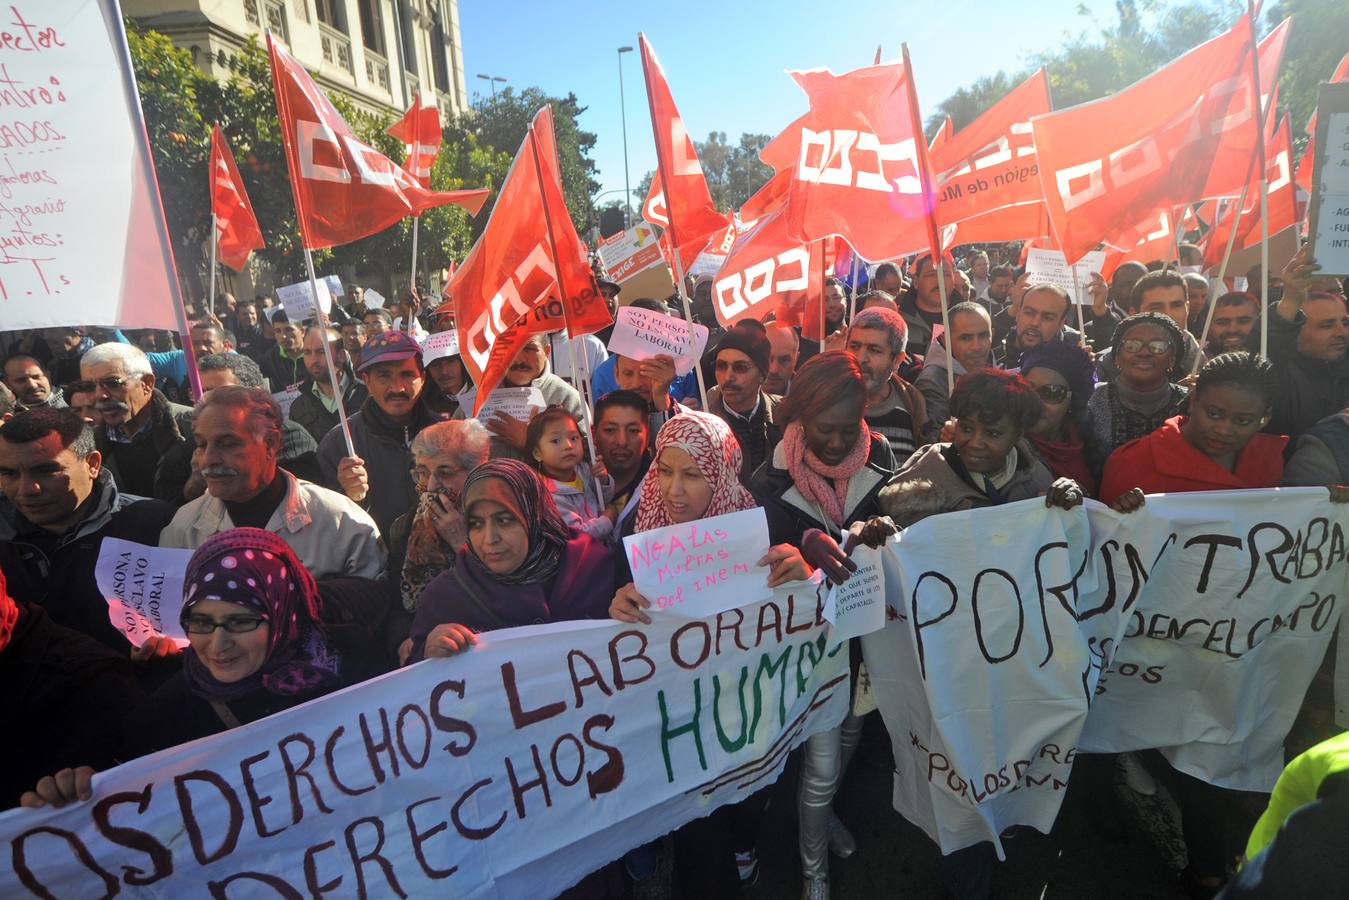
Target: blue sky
725	61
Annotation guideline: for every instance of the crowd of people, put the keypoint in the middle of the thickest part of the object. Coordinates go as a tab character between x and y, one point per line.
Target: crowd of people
327	551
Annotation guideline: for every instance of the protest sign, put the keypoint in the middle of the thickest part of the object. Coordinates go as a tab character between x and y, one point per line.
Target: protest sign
372	299
440	345
298	300
286	399
144	588
643	334
981	672
702	567
82	238
1328	214
857	606
511	770
1051	267
517	402
628	253
334	285
1231	600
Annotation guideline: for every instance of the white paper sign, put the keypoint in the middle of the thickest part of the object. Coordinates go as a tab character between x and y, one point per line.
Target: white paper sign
642	334
372	299
334	285
1051	267
286	399
298	300
517	402
440	345
491	774
857	606
82	232
702	567
144	588
1330	193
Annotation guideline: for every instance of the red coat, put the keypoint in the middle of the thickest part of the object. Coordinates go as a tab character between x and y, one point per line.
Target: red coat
1163	462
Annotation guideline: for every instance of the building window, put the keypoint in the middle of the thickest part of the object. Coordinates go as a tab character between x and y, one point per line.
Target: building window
302	10
439	50
332	14
372	26
276	19
251	13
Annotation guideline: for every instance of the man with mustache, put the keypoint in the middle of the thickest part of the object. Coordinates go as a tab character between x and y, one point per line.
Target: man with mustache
741	362
24	375
1042	316
139	424
379	476
528	369
61	504
1308	337
238	440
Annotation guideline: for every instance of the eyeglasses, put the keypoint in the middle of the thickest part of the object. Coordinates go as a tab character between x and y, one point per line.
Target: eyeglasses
1156	348
231	624
739	367
111	383
1052	393
444	474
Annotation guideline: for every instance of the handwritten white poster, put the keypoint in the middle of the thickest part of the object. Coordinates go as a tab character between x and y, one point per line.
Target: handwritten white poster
517	402
144	588
643	334
440	345
1051	267
298	299
82	235
702	567
857	606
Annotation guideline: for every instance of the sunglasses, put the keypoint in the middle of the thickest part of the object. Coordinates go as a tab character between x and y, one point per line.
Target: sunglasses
1052	393
111	383
1156	348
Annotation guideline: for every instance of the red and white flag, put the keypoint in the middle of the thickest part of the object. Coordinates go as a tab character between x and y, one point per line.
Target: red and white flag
678	200
419	129
1283	201
512	285
344	189
943	135
768	271
854	159
1152	146
237	233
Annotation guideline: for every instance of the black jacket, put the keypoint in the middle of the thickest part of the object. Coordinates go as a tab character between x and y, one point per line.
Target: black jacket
57	572
1306	390
64	699
170	426
309	412
280	371
790	514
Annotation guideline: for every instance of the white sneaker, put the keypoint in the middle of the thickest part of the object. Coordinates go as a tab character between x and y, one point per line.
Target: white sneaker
815	889
1136	777
841	842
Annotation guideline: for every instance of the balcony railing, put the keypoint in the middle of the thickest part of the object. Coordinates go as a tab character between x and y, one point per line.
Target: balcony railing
336	47
376	69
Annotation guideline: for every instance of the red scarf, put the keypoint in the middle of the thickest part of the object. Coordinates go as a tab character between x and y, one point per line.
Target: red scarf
9	614
1066	458
821	484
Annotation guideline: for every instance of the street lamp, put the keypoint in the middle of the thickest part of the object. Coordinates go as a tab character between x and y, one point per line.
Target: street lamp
623	112
492	80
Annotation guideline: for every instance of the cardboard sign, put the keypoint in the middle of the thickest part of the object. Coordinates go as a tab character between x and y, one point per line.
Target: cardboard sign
1051	267
298	300
857	606
511	770
517	402
701	568
642	334
1328	215
629	253
144	588
440	345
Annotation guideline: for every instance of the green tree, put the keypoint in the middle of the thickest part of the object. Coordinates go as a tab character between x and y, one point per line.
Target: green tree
733	171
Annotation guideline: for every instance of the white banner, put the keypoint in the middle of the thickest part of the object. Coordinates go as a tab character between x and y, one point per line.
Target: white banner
82	238
1209	614
511	770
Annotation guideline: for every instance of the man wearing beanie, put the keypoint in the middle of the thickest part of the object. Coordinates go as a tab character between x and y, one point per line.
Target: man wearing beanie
740	361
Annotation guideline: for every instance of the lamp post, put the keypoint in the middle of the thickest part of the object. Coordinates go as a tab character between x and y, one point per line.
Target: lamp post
492	80
623	113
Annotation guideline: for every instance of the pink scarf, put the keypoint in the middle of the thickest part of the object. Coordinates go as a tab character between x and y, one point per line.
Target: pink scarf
818	483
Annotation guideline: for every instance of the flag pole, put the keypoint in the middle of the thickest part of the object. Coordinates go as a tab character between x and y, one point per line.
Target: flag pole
412	279
1222	273
824	323
215	239
666	183
328	353
852	297
1264	187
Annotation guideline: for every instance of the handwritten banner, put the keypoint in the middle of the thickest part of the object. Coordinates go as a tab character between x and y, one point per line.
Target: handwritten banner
82	234
144	588
702	567
643	334
511	770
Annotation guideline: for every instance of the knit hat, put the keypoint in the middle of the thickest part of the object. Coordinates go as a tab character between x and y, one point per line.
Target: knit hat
751	343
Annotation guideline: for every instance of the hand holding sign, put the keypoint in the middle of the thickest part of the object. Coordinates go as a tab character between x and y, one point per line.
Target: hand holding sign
298	299
144	589
642	334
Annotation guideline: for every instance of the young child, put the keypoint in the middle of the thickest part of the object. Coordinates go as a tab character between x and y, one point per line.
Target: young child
553	444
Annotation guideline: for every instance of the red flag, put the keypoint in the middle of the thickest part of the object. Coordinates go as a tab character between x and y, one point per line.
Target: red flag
1282	201
419	129
679	190
508	287
1149	240
236	228
854	159
943	135
990	166
344	189
1152	145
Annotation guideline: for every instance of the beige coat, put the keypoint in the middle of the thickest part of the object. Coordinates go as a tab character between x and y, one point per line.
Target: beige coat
331	535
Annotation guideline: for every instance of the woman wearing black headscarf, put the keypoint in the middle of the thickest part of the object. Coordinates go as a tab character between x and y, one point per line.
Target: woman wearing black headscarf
522	565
